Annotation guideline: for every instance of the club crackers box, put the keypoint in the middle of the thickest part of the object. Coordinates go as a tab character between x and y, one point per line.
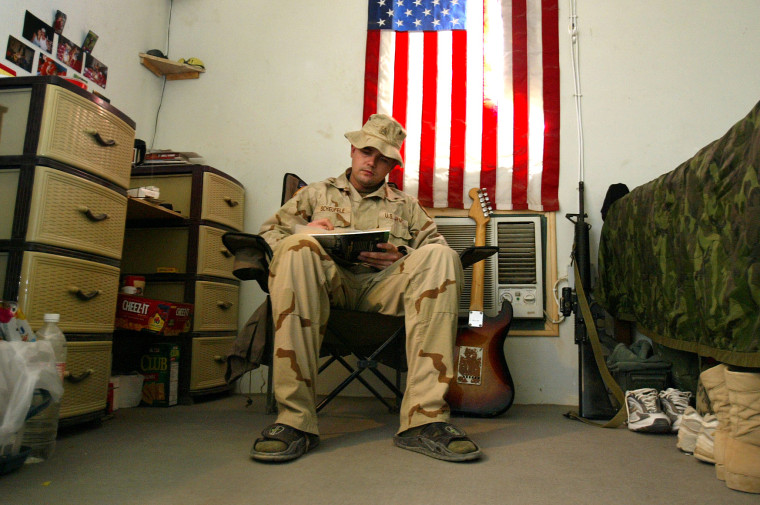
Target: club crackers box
138	313
159	364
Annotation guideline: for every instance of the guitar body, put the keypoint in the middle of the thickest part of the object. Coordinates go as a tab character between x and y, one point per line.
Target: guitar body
482	385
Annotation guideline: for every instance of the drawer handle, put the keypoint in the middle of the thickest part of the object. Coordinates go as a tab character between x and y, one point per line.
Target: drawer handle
100	140
78	378
225	253
92	216
219	359
224	305
82	295
231	201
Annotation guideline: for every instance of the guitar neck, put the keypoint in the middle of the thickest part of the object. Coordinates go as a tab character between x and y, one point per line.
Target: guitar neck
478	273
479	212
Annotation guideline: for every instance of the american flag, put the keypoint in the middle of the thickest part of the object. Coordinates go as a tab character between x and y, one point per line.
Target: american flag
476	85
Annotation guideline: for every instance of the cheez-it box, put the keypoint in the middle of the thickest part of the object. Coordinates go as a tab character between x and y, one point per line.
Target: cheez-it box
161	317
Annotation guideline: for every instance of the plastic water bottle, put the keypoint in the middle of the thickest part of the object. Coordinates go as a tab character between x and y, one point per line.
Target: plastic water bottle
41	430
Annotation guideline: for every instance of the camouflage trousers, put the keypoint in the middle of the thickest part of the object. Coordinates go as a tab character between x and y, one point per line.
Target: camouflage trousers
423	286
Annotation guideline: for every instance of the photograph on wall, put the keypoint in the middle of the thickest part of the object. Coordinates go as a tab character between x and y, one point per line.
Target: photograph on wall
19	53
69	53
38	33
89	42
7	71
48	66
59	22
95	71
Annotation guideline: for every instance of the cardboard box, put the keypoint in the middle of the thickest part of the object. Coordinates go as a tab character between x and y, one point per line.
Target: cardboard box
159	364
161	317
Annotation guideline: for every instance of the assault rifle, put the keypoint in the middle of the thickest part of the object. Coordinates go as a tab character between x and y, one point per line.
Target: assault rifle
593	399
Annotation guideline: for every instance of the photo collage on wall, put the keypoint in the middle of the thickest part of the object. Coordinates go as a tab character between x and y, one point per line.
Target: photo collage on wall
58	54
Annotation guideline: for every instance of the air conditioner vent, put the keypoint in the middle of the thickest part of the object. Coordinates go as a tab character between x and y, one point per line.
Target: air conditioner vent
517	252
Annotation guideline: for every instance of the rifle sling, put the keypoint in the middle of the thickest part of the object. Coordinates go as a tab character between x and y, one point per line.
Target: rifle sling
596	346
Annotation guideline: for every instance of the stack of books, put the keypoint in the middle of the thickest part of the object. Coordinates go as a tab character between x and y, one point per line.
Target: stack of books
169	157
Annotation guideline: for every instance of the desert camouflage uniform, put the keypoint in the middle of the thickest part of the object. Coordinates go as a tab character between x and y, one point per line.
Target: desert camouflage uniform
304	282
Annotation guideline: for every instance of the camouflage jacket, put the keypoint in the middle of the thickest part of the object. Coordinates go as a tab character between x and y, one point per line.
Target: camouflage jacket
337	200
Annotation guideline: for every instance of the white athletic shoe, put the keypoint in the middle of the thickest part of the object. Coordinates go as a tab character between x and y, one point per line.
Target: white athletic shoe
691	425
644	412
674	402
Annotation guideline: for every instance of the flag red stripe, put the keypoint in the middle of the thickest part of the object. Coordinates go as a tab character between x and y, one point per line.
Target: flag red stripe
489	150
521	104
429	104
458	118
550	44
400	82
371	71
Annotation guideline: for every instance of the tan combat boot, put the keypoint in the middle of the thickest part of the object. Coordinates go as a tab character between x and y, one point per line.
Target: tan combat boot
742	448
714	381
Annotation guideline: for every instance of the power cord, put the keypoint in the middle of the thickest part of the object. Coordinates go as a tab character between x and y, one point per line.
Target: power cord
163	84
575	58
557	296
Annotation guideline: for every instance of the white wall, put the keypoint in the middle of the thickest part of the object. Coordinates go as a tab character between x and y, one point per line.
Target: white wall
125	29
284	82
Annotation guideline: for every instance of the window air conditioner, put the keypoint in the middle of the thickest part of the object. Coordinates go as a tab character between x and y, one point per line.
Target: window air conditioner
516	273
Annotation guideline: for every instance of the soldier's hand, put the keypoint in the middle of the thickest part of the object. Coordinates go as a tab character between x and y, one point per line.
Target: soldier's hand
381	260
323	223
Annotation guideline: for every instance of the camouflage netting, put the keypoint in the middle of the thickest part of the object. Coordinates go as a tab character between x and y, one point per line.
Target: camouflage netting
680	255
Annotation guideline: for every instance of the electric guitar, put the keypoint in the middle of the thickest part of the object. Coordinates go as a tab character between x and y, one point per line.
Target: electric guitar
482	385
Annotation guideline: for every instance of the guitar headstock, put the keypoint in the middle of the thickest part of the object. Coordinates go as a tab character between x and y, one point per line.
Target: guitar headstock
481	209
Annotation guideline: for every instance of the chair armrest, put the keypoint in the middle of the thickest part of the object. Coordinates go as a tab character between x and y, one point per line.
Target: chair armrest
473	254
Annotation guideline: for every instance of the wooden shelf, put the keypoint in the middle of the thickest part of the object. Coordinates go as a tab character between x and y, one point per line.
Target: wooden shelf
140	209
171	69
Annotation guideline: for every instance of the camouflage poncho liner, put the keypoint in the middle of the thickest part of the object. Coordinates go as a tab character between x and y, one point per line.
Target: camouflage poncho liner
680	255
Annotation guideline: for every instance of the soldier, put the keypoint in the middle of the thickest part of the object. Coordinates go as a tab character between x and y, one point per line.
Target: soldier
416	275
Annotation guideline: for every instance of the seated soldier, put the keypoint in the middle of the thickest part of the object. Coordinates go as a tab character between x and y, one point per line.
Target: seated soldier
417	275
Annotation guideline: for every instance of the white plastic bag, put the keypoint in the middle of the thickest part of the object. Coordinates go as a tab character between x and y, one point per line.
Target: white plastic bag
24	367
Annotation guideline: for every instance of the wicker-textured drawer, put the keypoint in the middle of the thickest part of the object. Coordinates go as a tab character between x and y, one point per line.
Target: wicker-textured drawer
216	306
213	256
151	250
72	212
78	132
88	367
222	201
82	292
209	362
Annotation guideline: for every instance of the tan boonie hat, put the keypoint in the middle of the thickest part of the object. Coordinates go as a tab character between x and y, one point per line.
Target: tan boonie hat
381	132
252	257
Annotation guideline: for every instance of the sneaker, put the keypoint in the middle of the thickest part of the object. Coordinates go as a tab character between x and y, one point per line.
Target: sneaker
704	450
644	412
691	425
674	402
